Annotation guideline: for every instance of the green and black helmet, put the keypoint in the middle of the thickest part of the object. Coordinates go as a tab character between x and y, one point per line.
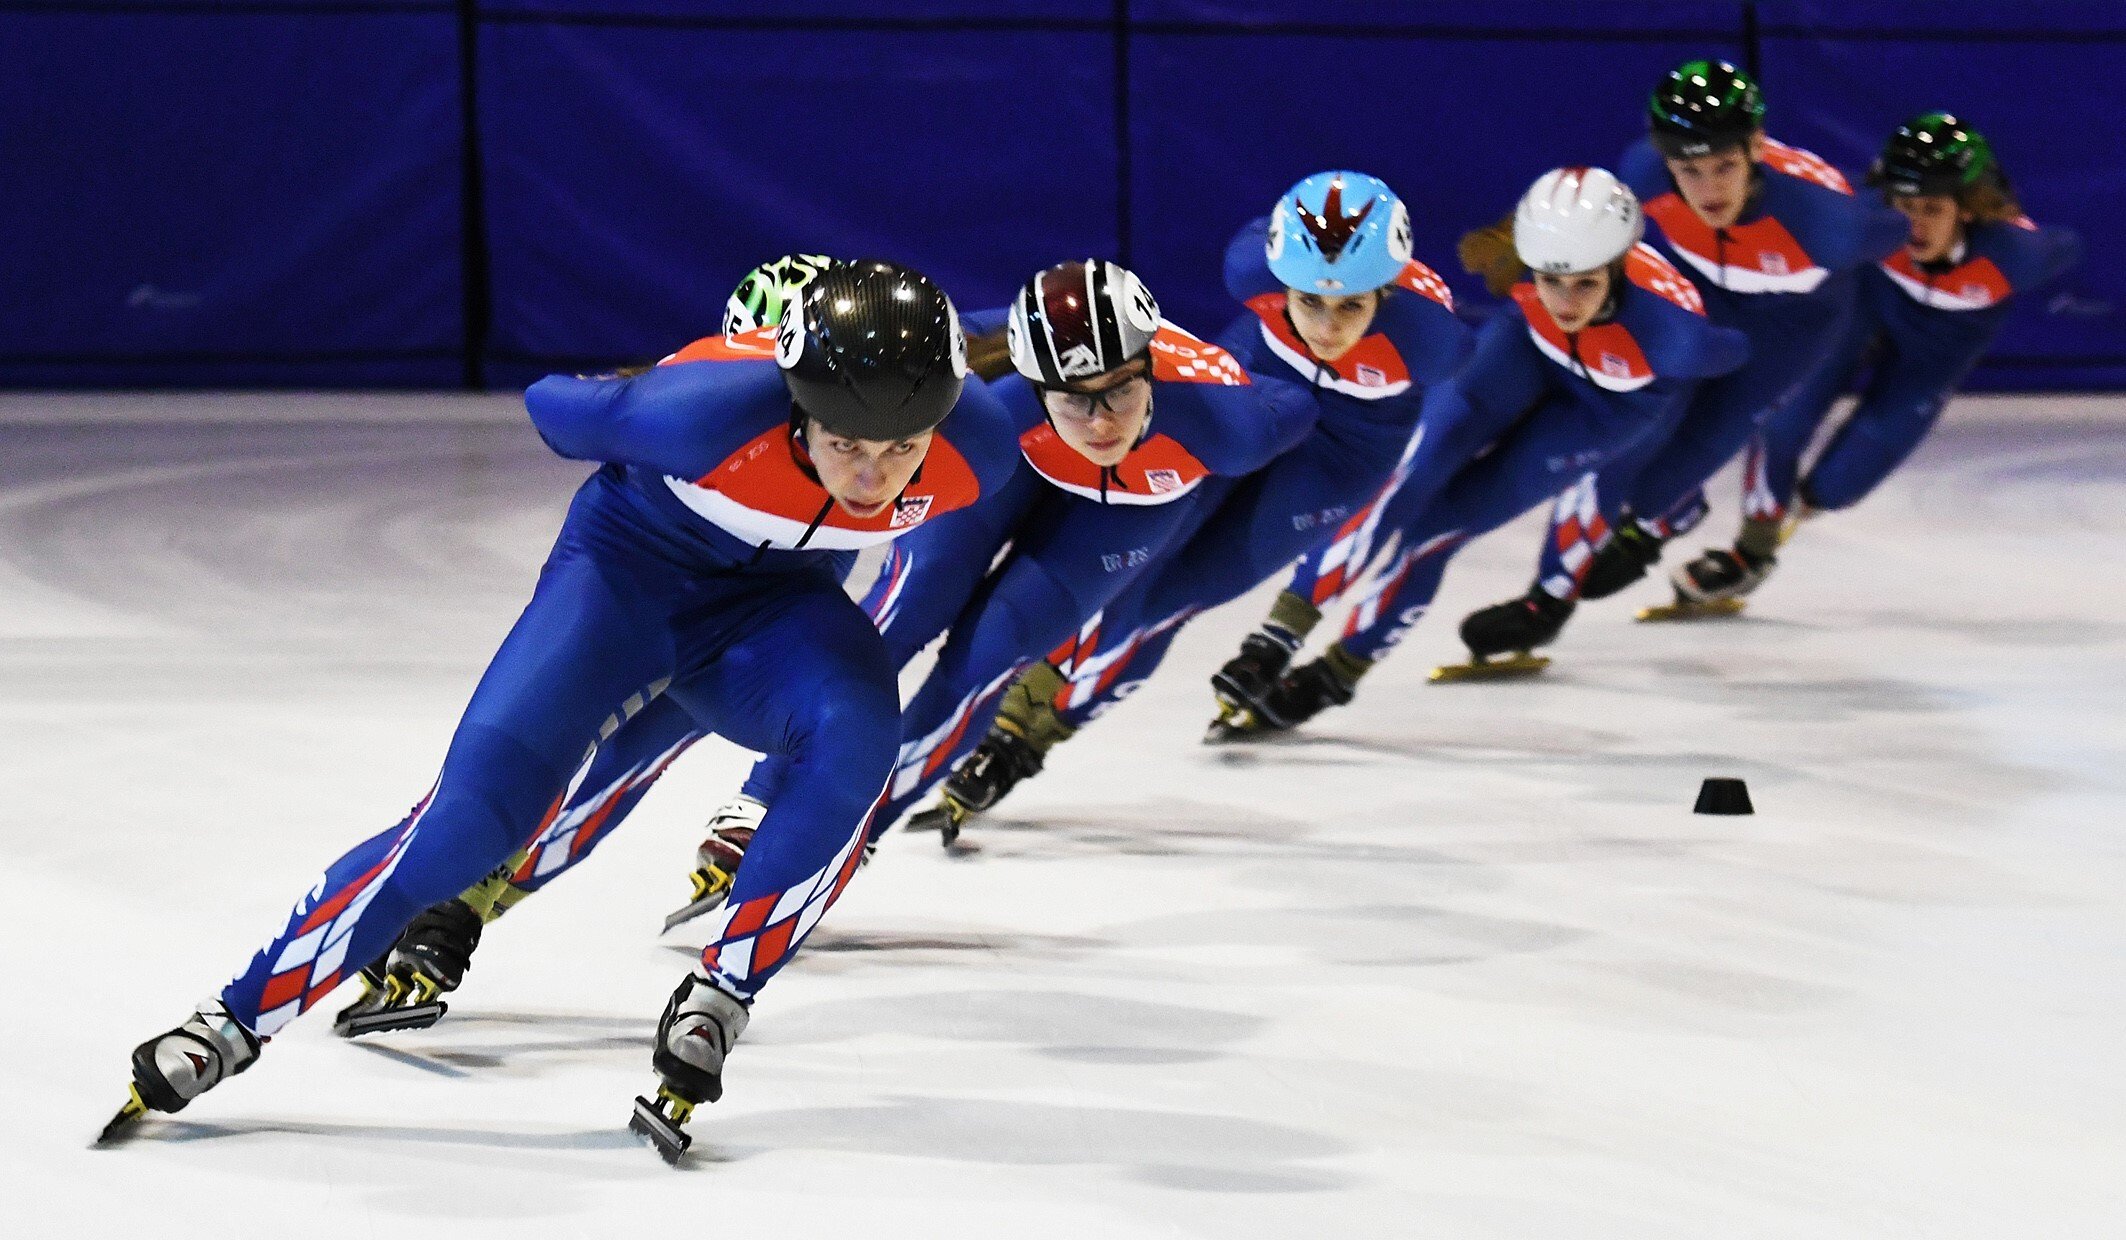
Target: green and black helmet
1702	107
768	291
1934	153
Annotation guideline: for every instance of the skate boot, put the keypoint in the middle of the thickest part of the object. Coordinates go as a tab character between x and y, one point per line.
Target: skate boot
994	768
716	862
404	988
1502	637
1622	560
694	1036
1249	676
1712	585
1721	573
1298	696
171	1069
1265	656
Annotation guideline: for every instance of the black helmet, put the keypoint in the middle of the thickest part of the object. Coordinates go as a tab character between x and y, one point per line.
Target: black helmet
873	351
1934	153
1702	107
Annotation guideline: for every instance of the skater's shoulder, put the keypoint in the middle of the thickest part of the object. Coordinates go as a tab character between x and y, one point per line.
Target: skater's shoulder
982	433
1180	356
757	345
2025	252
1645	268
1804	167
1416	277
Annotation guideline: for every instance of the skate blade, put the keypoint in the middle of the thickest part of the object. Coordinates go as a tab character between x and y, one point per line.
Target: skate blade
1684	609
1496	668
942	819
1236	725
706	904
121	1124
390	1019
659	1131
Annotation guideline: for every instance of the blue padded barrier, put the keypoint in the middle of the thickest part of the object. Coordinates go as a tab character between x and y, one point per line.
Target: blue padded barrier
2042	79
634	171
238	193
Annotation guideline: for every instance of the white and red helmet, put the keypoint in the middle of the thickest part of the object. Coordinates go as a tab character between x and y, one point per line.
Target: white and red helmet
1077	320
1576	219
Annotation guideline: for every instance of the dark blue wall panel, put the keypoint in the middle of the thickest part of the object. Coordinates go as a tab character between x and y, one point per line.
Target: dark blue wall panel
634	173
276	191
271	196
2043	81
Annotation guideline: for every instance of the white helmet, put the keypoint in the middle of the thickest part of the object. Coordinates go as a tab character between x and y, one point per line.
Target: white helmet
1575	219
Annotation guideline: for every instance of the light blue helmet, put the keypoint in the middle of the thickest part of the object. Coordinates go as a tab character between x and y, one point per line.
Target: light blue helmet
1338	232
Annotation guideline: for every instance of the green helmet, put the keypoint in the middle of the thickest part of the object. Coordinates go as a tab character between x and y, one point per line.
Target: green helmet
1934	153
769	290
1702	107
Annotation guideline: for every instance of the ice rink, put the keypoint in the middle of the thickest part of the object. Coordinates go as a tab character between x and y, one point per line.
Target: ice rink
1456	962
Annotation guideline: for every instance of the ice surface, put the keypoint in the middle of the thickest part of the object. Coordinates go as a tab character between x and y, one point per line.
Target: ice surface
1458	962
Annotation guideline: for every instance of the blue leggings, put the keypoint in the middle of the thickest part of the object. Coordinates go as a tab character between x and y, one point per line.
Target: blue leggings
1667	486
1066	558
1556	446
1899	404
782	662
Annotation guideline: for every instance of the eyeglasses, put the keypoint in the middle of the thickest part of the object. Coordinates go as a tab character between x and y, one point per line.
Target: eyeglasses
1121	399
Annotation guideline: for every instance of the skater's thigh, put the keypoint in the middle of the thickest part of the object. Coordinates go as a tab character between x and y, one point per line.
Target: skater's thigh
589	642
803	673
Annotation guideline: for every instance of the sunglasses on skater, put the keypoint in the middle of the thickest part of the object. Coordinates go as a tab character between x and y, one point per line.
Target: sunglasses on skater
1119	398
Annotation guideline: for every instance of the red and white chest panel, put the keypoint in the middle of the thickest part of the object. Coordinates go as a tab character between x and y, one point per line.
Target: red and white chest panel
1608	355
1757	257
1374	369
1973	284
761	496
759	493
1157	471
1605	355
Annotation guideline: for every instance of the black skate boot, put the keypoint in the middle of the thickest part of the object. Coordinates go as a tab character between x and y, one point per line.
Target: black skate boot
975	786
172	1069
404	989
716	861
1502	637
694	1036
1265	656
1622	560
1249	676
1299	695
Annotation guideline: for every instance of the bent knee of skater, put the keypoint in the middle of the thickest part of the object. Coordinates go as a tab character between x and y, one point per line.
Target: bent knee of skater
856	732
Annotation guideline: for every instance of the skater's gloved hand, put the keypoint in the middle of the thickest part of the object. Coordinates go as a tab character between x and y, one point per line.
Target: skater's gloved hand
1488	252
989	355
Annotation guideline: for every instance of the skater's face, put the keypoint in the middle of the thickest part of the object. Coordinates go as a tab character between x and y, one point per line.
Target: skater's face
863	475
1331	325
1575	299
1936	221
1717	186
1103	417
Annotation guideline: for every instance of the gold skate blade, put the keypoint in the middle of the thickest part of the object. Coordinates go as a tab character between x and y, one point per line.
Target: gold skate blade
122	1123
1234	723
1684	609
1498	667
